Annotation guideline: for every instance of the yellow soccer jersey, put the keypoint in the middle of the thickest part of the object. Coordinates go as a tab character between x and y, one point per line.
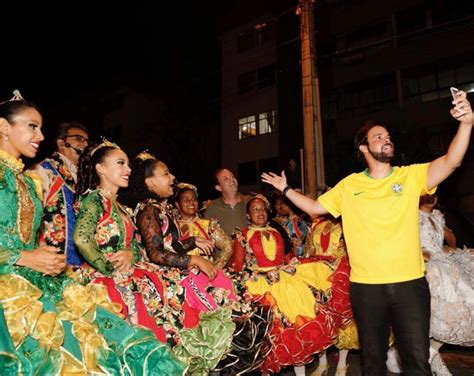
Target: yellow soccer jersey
380	223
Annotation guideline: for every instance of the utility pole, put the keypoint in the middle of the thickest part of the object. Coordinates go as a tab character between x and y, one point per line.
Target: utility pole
313	135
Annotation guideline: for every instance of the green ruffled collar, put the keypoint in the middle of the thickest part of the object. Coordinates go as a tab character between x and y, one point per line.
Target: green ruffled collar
16	165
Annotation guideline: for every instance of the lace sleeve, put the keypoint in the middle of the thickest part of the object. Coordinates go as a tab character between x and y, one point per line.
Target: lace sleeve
222	242
148	223
84	238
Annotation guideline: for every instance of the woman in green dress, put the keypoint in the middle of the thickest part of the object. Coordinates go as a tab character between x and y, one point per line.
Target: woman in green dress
50	324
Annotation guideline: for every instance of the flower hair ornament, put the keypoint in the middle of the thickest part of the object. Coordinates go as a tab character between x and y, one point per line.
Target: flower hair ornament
263	198
104	144
145	155
16	97
182	186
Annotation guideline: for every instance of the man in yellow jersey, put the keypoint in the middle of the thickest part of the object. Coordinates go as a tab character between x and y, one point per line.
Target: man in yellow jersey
379	209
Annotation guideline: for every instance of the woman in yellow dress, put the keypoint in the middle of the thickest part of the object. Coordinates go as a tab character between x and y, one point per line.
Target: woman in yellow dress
301	326
325	246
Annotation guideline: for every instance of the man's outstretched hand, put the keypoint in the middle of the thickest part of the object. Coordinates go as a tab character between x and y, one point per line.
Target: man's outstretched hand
279	182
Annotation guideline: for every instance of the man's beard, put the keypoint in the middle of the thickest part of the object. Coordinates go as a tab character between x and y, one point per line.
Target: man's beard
383	156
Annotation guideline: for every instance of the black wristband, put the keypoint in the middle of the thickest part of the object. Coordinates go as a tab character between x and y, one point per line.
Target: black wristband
285	190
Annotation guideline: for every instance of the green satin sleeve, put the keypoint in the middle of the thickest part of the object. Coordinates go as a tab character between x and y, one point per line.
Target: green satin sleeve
84	234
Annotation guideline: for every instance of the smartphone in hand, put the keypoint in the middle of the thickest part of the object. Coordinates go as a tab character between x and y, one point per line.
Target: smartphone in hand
454	91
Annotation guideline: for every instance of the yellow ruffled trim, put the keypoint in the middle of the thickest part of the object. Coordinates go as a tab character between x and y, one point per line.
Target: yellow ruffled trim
37	181
24	316
78	306
21	305
15	164
347	338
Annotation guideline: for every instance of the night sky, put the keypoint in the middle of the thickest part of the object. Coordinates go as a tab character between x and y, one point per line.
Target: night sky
52	52
56	53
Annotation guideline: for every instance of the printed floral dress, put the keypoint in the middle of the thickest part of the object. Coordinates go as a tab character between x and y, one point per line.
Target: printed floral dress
52	325
301	327
250	344
59	214
198	315
297	229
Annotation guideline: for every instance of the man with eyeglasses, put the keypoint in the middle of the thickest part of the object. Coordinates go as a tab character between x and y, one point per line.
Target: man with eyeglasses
59	176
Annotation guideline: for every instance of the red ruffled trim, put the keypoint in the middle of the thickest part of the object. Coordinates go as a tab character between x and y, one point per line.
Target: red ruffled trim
296	344
340	304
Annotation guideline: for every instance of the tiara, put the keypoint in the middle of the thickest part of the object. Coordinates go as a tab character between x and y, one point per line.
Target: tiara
145	155
16	97
105	143
182	186
263	198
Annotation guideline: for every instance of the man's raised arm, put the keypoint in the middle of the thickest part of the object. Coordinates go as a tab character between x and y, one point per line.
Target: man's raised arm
444	166
307	204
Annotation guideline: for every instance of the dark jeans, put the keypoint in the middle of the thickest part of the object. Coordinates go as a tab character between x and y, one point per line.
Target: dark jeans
404	306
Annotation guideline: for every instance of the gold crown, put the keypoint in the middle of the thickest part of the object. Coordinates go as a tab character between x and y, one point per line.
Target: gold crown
145	155
105	143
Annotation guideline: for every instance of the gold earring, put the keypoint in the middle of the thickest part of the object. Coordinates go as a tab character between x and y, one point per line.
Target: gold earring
5	137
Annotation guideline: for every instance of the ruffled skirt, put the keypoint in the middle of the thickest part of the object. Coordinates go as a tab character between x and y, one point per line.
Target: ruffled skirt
302	326
82	334
450	277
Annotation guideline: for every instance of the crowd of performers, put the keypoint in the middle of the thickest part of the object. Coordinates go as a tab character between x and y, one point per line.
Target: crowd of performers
112	270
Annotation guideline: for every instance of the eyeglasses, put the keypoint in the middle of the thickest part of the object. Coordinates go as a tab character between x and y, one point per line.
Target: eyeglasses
78	138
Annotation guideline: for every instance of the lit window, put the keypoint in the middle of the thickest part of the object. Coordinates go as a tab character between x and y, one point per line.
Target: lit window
247	127
267	122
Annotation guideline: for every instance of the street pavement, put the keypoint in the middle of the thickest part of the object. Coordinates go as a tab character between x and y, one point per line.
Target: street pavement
460	361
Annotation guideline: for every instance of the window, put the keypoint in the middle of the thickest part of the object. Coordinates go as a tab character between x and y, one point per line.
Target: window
369	39
260	78
360	97
246	82
266	76
447	11
247	127
246	41
267	32
260	34
431	82
267	123
369	34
